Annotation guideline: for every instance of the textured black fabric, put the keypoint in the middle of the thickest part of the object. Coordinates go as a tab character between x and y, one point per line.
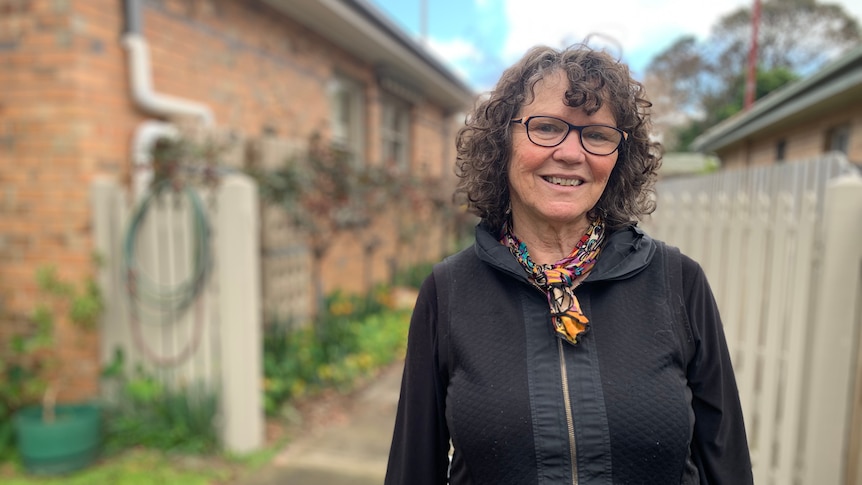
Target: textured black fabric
420	441
642	360
652	392
487	404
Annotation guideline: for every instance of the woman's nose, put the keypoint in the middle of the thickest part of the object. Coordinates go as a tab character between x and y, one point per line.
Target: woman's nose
570	150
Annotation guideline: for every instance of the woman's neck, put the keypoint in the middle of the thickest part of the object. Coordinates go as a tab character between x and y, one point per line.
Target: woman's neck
548	243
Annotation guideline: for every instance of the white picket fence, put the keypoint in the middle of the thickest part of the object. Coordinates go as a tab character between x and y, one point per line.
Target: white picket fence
782	248
184	333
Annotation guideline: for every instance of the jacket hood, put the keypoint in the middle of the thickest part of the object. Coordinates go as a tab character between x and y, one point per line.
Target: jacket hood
626	252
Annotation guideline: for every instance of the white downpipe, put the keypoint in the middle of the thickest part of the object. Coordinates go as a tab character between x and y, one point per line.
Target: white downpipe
158	104
154	103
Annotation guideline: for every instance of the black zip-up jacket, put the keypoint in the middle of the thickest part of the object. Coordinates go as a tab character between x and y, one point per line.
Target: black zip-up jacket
647	396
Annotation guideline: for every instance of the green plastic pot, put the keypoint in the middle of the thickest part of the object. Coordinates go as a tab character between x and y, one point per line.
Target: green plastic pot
69	443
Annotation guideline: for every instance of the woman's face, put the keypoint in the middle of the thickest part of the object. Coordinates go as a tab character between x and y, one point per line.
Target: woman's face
556	186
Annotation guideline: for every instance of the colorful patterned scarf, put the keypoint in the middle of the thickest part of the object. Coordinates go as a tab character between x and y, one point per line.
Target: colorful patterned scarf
558	280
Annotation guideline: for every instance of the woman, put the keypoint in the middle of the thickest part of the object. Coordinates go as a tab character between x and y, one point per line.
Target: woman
565	345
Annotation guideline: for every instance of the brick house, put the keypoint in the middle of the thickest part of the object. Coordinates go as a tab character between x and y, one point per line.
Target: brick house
83	84
818	114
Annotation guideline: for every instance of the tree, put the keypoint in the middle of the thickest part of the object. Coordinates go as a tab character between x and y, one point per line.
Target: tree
731	102
322	191
828	31
700	84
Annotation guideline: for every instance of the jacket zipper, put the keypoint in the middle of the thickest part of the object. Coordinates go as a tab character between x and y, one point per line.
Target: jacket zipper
570	423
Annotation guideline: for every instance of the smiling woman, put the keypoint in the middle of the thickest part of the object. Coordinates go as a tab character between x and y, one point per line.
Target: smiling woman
566	345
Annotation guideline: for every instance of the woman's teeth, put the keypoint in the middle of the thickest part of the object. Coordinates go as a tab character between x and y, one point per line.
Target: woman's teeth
562	181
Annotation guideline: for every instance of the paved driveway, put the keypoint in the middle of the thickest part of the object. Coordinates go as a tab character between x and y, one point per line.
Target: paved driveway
349	451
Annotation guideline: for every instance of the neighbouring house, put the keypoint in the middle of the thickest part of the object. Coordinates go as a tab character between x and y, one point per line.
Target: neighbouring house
818	114
86	87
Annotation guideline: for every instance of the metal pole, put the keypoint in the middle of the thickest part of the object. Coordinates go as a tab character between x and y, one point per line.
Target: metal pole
423	21
751	78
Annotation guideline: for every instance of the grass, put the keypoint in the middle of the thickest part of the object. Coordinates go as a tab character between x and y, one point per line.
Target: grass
138	467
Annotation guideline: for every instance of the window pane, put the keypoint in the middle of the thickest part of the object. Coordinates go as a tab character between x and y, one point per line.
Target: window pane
394	129
346	112
838	139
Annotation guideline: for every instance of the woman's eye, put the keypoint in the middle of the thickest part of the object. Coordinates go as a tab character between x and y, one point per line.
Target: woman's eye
596	136
599	135
546	128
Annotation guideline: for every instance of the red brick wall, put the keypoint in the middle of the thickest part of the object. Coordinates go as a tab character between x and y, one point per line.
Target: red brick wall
63	118
66	117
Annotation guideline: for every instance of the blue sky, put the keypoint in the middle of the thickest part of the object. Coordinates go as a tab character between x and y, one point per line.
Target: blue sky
479	38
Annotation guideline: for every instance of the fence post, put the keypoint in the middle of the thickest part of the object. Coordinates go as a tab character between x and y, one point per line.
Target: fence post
239	314
833	336
108	207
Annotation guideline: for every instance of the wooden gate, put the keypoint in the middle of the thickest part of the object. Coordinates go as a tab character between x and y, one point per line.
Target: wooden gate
182	289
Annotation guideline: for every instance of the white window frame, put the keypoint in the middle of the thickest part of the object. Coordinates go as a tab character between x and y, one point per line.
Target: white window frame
347	116
395	121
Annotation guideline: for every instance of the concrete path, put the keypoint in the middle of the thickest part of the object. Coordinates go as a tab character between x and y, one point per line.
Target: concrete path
352	450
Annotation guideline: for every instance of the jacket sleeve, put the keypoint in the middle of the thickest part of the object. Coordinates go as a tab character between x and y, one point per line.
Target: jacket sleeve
719	445
420	443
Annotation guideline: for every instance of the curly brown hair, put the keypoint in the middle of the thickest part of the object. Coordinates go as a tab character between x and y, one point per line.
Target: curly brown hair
484	145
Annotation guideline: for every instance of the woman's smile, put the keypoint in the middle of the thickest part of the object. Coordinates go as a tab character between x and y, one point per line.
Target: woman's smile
563	181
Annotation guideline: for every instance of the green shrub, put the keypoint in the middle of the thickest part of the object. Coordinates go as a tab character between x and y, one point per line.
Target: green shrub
356	336
26	357
143	411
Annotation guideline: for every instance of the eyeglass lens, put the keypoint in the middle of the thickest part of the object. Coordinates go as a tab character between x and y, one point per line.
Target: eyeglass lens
596	139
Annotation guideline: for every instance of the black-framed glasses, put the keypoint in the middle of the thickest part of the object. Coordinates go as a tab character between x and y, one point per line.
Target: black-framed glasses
547	131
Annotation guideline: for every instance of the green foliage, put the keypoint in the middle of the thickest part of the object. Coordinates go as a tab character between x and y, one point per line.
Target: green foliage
84	304
355	336
730	103
190	158
24	357
20	380
145	412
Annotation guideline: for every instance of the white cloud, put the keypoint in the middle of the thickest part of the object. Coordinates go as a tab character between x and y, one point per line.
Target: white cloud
633	24
640	27
458	53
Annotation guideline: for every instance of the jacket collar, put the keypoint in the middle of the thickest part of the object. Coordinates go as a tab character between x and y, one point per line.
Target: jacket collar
626	252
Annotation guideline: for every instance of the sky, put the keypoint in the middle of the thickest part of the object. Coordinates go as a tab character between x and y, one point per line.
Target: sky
477	39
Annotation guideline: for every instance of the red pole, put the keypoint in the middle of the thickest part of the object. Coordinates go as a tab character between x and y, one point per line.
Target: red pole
751	78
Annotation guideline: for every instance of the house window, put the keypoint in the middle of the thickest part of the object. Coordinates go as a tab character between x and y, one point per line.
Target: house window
347	112
394	132
780	150
838	139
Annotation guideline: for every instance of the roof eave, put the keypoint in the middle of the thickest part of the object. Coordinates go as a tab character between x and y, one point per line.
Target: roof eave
360	29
